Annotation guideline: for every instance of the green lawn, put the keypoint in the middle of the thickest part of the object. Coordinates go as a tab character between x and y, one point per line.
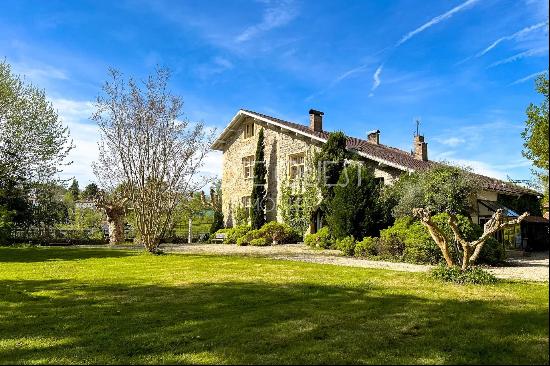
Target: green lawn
108	306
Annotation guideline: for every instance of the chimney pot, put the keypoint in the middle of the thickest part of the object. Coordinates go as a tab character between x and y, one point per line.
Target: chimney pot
420	148
316	120
374	136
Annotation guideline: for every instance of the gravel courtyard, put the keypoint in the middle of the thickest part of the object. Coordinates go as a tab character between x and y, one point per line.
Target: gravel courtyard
531	268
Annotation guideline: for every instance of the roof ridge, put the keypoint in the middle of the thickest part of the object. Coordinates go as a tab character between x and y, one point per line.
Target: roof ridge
384	153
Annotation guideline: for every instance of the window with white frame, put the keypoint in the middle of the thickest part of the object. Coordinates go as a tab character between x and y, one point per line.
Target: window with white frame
245	201
248	166
296	166
248	130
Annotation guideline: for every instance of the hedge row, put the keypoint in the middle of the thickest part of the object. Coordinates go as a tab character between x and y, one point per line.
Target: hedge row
271	233
409	241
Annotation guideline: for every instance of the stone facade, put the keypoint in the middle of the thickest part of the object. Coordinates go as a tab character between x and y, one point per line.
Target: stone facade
280	144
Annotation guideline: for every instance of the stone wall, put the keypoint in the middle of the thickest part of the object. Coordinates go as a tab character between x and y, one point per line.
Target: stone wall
279	144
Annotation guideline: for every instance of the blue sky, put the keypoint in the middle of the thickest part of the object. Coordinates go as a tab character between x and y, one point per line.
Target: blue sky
465	68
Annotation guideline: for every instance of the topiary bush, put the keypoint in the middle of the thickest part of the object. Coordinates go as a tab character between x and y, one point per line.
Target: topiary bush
346	245
368	247
472	275
233	234
259	242
274	230
249	236
321	239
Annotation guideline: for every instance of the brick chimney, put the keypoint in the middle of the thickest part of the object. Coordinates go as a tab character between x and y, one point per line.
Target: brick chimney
316	120
374	136
420	148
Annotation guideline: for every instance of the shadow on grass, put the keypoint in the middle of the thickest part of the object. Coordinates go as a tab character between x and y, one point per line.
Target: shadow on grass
58	321
37	254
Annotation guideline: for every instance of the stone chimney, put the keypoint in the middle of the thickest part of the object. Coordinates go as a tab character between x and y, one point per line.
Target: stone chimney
374	136
316	120
420	148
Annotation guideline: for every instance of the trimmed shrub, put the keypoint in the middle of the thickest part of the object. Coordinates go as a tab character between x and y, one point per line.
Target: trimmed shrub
408	240
368	247
321	239
233	234
274	231
259	242
292	236
346	245
473	275
248	237
492	252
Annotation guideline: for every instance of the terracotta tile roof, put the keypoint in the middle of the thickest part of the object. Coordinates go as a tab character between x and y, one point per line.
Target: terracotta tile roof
397	157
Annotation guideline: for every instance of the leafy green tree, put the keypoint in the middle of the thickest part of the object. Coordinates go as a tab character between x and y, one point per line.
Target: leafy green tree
6	224
536	133
441	188
257	213
33	147
330	163
216	204
74	190
90	191
33	141
354	209
48	208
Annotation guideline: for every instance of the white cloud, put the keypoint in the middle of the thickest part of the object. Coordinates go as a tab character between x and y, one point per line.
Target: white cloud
480	167
513	36
528	77
84	133
376	80
435	21
529	53
277	15
451	141
39	72
217	66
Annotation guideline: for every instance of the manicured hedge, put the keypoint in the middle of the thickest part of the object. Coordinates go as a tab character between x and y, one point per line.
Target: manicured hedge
271	233
409	241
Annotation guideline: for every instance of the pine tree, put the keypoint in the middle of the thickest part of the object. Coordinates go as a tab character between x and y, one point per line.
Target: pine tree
257	213
75	191
330	163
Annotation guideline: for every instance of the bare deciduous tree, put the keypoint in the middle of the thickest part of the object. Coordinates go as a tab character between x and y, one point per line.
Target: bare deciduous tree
148	147
470	249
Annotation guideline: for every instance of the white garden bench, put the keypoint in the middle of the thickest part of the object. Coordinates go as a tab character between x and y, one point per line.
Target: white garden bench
219	238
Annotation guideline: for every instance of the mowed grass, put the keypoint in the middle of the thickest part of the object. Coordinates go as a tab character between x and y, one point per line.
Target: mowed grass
71	305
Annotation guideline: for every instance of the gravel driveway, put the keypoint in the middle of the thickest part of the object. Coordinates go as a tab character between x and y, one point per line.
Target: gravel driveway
533	268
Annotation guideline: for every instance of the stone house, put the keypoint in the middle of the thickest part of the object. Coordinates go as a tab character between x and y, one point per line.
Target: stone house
287	143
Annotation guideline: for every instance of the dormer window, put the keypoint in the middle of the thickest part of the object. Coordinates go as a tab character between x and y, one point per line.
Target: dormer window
248	130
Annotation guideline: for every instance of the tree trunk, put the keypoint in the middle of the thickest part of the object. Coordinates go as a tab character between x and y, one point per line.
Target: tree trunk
436	234
466	257
190	230
116	230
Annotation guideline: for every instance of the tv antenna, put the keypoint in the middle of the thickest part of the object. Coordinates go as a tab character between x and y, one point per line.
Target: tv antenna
417	121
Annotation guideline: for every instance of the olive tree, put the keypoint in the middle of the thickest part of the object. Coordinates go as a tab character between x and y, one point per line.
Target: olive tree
146	145
470	249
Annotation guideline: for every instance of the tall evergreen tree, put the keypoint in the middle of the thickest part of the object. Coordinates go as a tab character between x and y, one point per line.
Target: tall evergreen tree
355	208
330	163
257	213
75	190
90	191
